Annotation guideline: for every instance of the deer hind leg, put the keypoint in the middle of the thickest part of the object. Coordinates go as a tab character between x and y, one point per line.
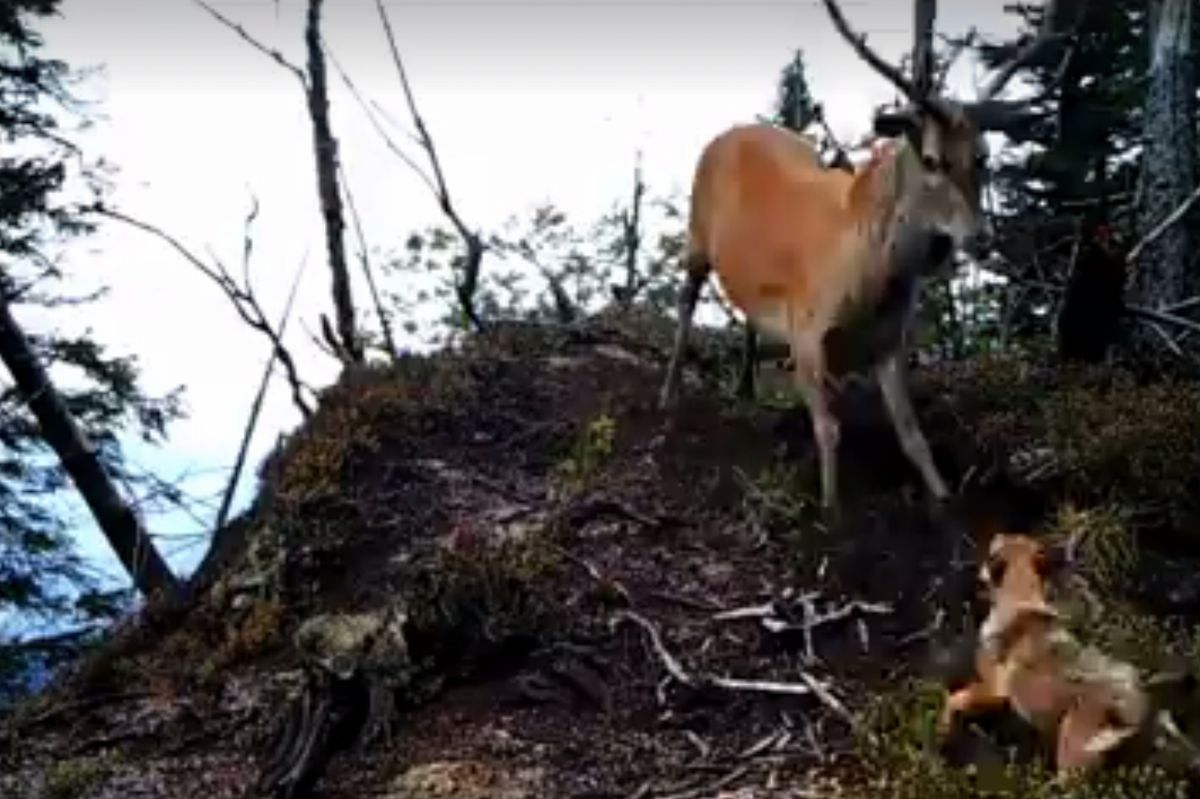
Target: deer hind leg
698	268
813	383
891	376
745	385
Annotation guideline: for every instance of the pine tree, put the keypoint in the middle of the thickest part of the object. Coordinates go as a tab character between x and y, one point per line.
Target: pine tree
64	389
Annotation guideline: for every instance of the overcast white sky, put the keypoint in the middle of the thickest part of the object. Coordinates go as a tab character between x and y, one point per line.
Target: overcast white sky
528	100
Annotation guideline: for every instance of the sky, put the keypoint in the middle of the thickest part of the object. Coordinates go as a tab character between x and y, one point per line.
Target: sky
528	101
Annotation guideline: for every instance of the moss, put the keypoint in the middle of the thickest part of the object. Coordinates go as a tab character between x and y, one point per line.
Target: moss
1112	438
469	601
1104	546
73	778
898	758
592	448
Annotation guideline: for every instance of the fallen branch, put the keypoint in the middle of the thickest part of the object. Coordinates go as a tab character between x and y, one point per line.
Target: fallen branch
809	685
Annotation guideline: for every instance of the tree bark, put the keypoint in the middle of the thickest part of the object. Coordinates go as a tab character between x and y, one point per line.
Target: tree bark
325	150
117	520
924	17
1163	274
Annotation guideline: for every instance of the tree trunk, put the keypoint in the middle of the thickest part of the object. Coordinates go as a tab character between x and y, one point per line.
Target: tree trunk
117	520
1163	273
924	18
325	150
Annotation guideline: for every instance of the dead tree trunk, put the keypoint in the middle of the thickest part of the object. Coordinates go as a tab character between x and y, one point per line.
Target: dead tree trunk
631	237
325	150
1163	273
117	520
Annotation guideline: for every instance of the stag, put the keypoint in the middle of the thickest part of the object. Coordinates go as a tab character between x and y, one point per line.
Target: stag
830	262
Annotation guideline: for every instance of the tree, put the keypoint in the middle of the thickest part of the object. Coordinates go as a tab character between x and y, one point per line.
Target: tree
69	399
1166	272
795	108
1079	171
345	342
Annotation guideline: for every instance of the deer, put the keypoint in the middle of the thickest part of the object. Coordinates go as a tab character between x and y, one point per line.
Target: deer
830	261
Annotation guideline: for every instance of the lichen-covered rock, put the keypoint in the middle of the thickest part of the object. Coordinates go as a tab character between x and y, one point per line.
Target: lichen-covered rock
467	779
342	643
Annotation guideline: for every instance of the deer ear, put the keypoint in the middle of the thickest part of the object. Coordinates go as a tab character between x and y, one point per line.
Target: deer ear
904	122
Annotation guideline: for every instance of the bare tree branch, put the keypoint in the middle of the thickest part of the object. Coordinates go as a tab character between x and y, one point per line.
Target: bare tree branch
465	288
383	134
365	260
1162	227
256	408
243	299
316	97
270	52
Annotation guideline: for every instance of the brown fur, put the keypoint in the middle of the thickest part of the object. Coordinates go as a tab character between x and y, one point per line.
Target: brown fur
1084	703
829	261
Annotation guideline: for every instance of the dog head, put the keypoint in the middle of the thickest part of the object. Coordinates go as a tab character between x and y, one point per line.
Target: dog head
1017	568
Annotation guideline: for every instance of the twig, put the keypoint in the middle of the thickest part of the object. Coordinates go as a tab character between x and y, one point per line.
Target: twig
595	574
673	666
364	260
270	52
471	240
243	299
256	407
1163	226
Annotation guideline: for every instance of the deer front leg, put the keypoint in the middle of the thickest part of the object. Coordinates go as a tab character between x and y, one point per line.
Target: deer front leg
892	382
697	272
745	385
813	384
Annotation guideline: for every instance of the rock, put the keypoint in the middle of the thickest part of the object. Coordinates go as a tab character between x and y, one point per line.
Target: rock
344	643
467	779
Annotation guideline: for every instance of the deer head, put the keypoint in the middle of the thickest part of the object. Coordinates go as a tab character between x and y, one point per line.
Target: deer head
946	134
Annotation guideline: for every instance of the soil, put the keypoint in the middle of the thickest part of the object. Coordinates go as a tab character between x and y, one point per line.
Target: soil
688	514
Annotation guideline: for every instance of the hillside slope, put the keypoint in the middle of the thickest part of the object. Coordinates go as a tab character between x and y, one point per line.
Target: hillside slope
503	572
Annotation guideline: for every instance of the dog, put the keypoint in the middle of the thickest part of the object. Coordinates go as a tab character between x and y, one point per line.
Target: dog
1084	704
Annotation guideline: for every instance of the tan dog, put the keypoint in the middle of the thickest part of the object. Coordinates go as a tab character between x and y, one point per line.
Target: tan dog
1083	702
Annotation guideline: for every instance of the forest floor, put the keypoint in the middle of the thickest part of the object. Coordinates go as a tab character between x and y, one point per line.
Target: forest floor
602	600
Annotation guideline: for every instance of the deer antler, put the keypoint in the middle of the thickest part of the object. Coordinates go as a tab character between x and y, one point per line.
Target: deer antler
859	43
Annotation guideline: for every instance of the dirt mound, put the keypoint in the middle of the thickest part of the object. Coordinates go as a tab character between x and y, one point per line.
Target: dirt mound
502	571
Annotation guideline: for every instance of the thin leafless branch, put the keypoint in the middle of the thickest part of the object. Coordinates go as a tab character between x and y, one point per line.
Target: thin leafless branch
242	297
1163	226
256	407
270	52
465	288
391	144
364	259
